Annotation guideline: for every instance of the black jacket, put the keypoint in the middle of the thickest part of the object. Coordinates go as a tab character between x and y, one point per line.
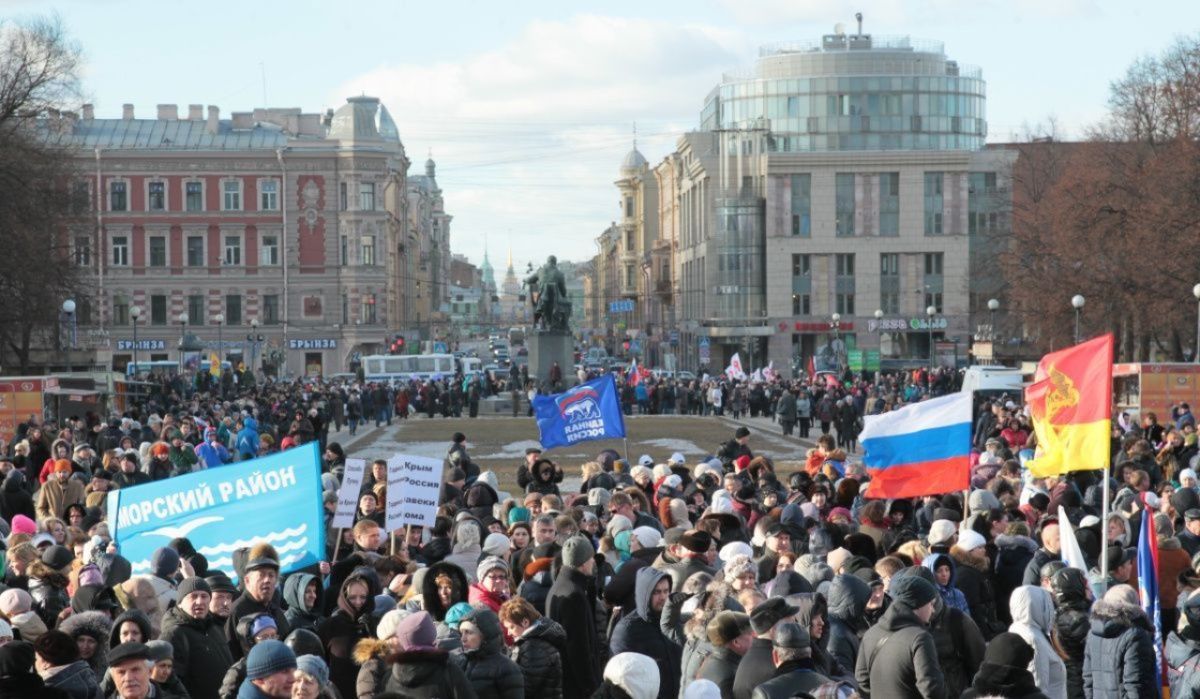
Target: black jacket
571	604
794	678
639	632
245	606
898	658
491	673
720	668
1003	681
538	652
756	668
427	674
14	498
974	581
1119	659
848	597
299	616
1071	624
342	631
1013	554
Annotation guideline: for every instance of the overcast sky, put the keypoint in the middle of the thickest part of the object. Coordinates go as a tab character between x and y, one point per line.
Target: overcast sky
528	107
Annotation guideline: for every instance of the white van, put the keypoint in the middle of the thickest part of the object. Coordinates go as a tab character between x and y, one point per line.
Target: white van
992	382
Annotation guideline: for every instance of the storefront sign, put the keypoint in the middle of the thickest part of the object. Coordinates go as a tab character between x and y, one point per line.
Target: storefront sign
823	327
144	345
905	324
319	344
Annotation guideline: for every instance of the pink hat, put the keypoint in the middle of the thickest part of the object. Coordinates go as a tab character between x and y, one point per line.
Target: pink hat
15	601
23	525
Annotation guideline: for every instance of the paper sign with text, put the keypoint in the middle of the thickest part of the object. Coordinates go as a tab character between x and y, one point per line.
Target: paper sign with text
414	486
352	480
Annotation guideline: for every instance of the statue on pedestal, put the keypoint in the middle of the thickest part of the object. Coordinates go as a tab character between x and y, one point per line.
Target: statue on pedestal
548	294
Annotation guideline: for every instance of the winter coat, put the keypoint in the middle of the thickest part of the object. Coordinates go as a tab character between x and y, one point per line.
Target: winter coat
538	653
98	625
427	674
28	685
973	579
56	495
639	632
49	593
430	601
1033	570
792	679
342	631
299	616
848	597
1119	659
1172	560
14	498
138	618
899	658
959	644
571	604
1183	657
371	655
1013	554
951	595
756	667
720	668
535	589
244	606
1033	620
685	568
812	605
201	651
235	676
490	671
1004	682
1072	625
77	680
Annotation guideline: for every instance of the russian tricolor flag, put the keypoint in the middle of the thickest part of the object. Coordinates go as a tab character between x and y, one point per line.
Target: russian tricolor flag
921	449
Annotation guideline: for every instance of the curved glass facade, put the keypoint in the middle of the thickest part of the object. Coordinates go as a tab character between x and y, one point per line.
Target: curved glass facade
737	262
888	97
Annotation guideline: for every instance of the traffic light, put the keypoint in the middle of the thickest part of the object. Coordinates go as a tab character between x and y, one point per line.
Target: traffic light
397	345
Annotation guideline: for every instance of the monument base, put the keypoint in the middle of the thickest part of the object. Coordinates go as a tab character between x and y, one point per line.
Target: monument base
545	348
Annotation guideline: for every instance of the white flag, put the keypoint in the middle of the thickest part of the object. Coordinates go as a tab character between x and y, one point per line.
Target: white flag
1072	555
734	370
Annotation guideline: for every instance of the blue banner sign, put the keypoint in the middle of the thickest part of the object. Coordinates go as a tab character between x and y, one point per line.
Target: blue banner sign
589	411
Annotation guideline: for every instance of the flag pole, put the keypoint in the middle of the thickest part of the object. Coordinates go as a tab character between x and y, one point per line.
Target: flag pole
626	439
337	544
1104	533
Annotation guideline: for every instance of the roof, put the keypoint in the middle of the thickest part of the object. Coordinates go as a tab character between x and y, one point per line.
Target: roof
634	160
162	134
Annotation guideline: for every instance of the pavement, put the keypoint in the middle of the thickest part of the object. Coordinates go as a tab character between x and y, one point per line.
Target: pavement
498	443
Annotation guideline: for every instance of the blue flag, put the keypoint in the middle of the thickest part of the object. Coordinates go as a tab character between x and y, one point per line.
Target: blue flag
1147	572
276	499
589	411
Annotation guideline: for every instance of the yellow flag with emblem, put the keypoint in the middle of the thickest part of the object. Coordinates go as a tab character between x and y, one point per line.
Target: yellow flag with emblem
1070	402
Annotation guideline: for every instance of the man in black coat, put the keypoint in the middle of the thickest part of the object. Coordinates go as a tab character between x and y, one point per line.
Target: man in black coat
641	632
1072	603
898	657
731	636
201	653
757	665
571	603
1050	550
260	578
736	447
691	549
794	674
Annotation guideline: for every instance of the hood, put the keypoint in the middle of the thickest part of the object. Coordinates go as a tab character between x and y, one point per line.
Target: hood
635	674
429	594
1127	536
647	578
98	625
994	679
931	563
418	668
63	443
365	576
848	597
1005	541
810	604
1070	587
549	631
13	482
244	638
137	617
467	536
789	582
293	590
1032	606
249	423
481	494
1111	619
370	648
489	626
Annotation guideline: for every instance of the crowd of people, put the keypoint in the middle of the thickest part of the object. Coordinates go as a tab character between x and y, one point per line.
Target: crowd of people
711	576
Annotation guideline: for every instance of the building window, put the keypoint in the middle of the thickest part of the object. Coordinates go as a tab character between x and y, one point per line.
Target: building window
194	196
232	195
271	309
934	263
118	196
158	251
802	205
630	276
343	196
889	204
368	309
268	251
156	196
195	251
982	206
889	264
844	283
628	207
120	251
344	255
934	182
158	310
196	309
845	204
233	309
268	197
845	264
889	282
801	266
83	250
630	240
120	310
934	298
801	304
81	197
845	304
366	196
233	250
889	302
345	308
368	250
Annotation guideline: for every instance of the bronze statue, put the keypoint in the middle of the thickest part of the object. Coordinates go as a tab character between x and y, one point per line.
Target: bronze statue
548	294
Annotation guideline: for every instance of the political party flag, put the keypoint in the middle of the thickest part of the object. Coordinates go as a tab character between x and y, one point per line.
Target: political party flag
921	449
734	370
1072	555
588	411
633	376
1070	403
276	499
214	364
1147	572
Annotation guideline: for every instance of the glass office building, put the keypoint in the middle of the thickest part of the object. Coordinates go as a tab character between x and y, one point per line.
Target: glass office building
855	92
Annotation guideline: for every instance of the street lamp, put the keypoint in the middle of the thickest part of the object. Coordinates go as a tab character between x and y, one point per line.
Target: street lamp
219	319
183	321
930	312
835	324
255	340
68	309
993	306
135	314
1077	302
1196	352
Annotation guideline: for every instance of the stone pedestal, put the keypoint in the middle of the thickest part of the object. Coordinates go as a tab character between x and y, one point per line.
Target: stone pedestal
547	347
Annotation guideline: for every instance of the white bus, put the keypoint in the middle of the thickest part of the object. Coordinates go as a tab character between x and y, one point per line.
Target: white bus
405	367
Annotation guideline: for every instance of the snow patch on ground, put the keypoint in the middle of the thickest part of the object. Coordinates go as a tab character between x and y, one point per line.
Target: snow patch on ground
688	449
512	450
384	448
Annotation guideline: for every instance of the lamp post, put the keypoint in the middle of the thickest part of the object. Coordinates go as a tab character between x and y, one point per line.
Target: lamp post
930	312
993	306
219	319
835	324
255	339
68	309
183	321
135	314
1196	352
1077	302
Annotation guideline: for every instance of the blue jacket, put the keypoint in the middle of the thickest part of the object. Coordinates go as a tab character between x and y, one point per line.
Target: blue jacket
951	595
247	438
249	690
211	454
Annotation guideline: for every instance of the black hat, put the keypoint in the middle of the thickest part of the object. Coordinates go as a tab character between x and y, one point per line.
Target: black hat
128	651
793	636
220	582
1192	514
696	541
459	437
742	432
913	590
767	614
1008	649
58	557
1039	501
533	450
1118	556
726	626
190	585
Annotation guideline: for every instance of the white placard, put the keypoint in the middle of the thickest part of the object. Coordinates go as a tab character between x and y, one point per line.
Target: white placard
352	480
413	490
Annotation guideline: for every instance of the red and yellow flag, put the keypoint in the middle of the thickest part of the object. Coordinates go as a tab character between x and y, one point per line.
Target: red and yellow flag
1070	402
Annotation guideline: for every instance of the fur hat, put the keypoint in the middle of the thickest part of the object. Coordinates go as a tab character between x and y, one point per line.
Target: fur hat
262	555
739	566
635	674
